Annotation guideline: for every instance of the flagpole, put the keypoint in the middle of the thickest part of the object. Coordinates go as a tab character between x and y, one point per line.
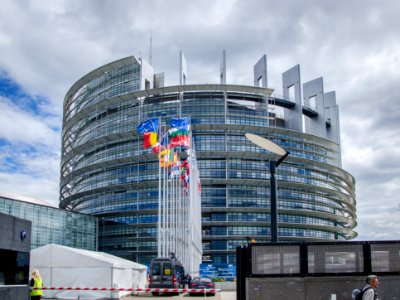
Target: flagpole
159	196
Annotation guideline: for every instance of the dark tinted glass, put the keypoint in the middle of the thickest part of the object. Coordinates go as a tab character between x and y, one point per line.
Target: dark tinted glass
155	269
14	267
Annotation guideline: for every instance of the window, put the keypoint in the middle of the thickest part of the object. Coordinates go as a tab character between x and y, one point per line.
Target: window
156	269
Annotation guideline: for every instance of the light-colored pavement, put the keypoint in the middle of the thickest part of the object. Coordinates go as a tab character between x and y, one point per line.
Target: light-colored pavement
228	295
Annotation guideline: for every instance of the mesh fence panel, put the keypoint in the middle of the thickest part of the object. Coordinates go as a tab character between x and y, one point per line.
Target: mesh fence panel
385	257
268	260
335	258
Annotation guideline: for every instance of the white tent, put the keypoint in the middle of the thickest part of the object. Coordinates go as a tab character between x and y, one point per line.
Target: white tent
62	266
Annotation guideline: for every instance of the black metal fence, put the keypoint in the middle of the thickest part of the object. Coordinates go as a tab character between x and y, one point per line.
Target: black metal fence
315	259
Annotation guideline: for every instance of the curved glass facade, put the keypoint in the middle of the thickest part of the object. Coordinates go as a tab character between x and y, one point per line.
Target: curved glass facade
106	172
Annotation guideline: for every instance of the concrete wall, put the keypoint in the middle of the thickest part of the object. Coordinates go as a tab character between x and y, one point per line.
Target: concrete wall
10	233
317	288
11	239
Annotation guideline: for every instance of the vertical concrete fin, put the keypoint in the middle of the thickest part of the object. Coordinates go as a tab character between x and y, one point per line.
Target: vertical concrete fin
222	68
146	75
293	116
332	119
260	72
182	68
314	98
159	80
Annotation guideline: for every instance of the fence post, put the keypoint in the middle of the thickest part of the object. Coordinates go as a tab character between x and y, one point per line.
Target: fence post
303	259
242	270
367	258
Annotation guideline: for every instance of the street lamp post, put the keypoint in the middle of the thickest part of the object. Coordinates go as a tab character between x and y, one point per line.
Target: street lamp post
274	148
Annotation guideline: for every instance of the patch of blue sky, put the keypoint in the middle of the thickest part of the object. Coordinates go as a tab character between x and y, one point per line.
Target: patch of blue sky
18	147
4	142
20	98
10	164
9	161
13	157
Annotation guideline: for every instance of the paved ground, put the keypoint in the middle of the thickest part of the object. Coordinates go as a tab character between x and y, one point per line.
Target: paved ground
218	296
229	295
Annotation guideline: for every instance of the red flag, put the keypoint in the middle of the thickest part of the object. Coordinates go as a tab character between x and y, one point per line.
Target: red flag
180	140
156	148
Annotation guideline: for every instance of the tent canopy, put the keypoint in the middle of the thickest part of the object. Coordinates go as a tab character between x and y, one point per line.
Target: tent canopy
62	266
53	255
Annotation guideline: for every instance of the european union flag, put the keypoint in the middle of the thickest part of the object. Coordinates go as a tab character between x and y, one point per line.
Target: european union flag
180	123
150	125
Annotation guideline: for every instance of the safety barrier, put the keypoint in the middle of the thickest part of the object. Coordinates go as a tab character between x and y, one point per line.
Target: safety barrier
144	290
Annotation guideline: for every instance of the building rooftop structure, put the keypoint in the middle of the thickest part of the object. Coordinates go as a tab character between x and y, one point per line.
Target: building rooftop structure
25	198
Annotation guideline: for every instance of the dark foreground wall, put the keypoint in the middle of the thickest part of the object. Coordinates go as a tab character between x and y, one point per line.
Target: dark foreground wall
15	246
14	292
317	288
15	233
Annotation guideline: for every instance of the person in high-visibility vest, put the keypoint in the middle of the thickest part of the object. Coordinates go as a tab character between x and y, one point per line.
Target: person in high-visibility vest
36	282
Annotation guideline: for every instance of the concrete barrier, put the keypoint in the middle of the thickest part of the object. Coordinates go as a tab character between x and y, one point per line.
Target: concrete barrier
14	292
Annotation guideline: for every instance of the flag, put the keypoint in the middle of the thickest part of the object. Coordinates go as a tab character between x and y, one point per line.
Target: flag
167	158
156	148
179	132
180	140
186	149
164	140
173	132
163	156
185	167
149	139
149	129
150	125
180	123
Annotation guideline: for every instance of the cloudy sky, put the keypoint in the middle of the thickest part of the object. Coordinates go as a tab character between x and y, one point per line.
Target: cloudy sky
45	46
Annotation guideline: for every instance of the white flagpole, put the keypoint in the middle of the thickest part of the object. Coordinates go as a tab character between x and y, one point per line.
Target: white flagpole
159	238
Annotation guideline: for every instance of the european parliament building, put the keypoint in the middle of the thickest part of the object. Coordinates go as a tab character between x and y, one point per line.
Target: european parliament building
106	172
